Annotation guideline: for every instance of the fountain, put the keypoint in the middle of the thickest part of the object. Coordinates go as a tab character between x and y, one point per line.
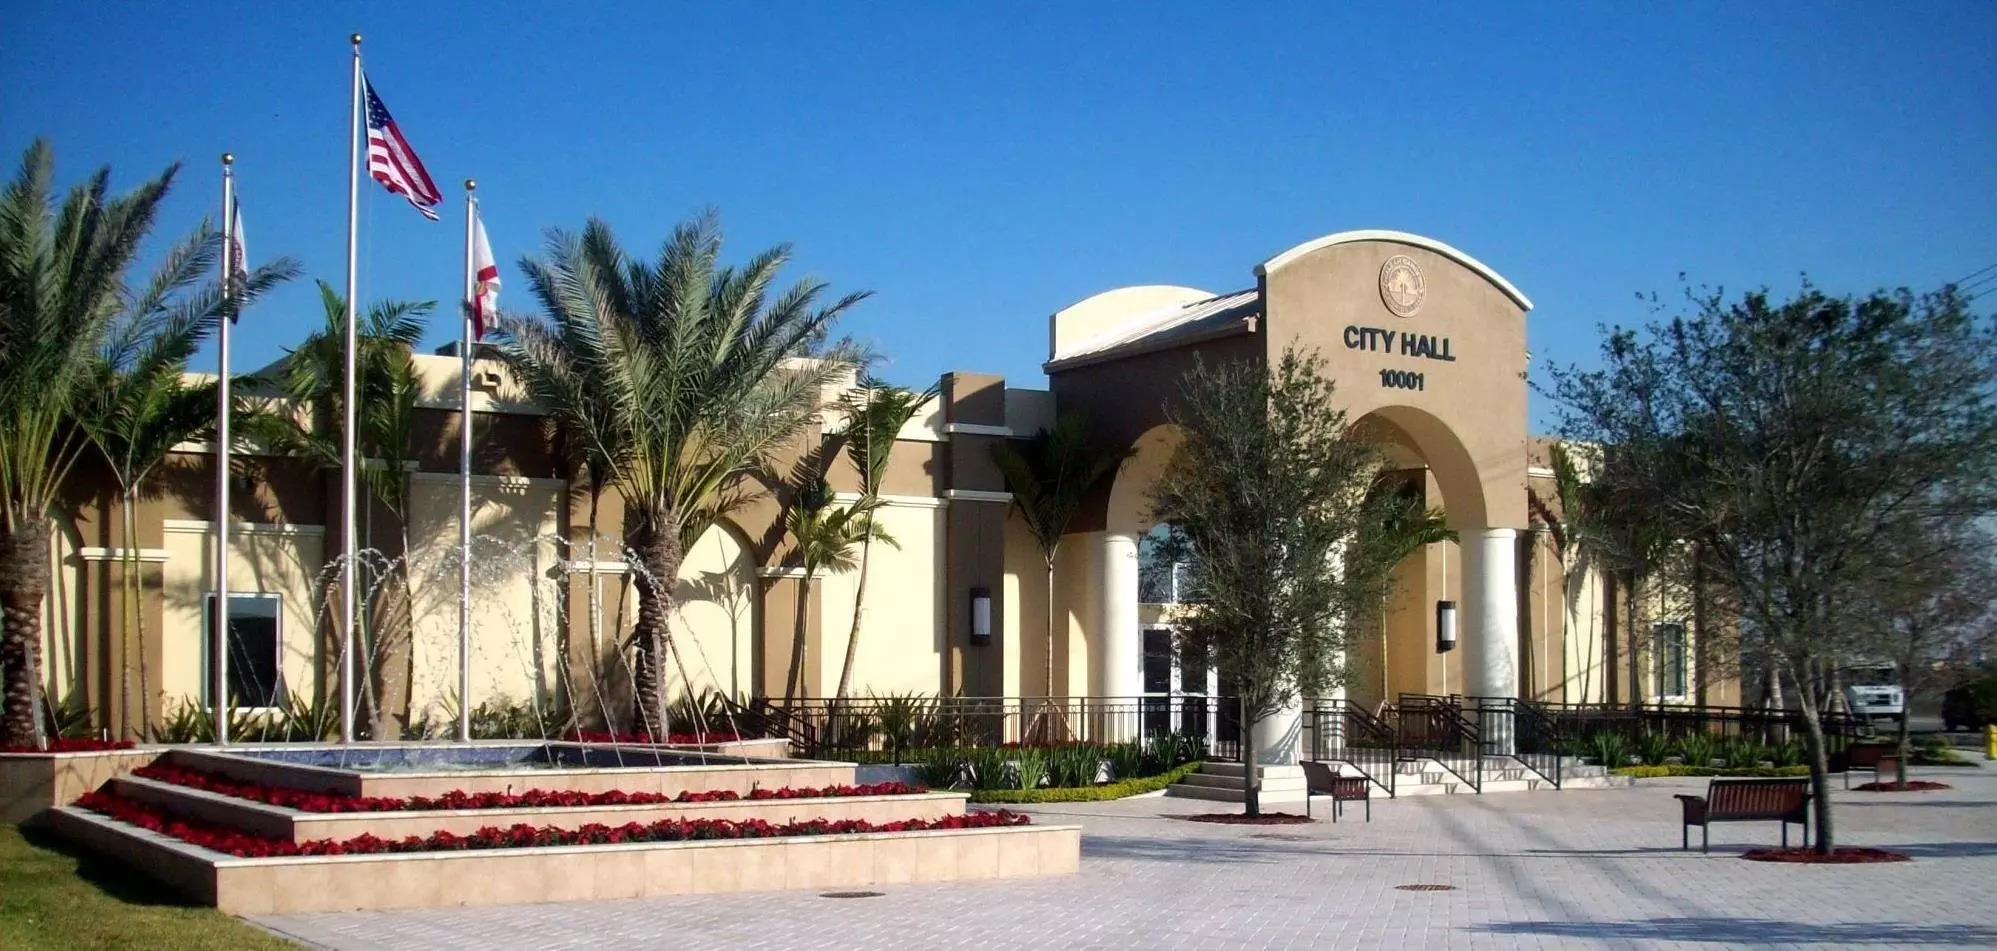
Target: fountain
414	821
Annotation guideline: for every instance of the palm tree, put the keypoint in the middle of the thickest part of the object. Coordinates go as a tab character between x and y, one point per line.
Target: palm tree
825	538
139	403
1573	542
876	412
1048	477
311	381
681	376
62	287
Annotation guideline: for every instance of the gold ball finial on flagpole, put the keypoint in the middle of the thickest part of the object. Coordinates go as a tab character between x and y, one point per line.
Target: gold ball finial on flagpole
228	158
356	38
471	186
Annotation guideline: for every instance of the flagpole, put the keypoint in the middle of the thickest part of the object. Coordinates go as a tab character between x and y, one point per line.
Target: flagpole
348	470
465	480
219	619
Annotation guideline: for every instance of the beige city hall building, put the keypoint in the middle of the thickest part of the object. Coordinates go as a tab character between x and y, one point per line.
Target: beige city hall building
1426	343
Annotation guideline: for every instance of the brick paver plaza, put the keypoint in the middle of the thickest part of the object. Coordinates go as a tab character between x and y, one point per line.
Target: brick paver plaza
1582	868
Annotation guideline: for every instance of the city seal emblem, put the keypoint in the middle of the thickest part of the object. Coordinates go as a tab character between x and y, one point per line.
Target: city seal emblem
1401	287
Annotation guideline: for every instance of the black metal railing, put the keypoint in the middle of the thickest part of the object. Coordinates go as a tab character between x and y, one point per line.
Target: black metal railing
1341	731
888	728
1520	731
1769	727
1435	728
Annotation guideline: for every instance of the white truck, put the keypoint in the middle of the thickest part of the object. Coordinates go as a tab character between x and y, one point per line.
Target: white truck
1873	692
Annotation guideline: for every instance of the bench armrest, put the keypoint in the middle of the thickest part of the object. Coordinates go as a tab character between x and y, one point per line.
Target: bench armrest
1695	807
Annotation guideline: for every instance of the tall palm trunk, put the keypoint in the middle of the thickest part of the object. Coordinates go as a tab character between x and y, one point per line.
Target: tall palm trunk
794	678
853	636
24	579
135	622
658	549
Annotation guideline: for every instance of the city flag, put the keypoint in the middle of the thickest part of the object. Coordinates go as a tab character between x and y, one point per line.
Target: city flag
238	268
393	163
485	281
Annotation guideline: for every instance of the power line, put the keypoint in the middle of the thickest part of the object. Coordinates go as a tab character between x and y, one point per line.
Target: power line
1959	282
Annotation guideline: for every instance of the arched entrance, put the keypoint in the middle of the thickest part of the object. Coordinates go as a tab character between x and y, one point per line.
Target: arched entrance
1427	348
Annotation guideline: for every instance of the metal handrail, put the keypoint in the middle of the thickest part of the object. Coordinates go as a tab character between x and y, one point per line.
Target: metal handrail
1436	729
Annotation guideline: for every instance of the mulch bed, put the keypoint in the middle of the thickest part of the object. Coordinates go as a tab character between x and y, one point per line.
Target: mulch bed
1841	856
1912	785
1240	819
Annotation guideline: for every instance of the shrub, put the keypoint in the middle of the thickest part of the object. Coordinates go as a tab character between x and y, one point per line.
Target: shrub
1742	753
1126	760
1679	769
1076	764
987	767
1610	748
1029	767
1791	752
1116	790
1696	749
940	769
1652	748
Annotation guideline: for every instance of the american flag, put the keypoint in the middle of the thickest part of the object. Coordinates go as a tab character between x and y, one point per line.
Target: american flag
393	163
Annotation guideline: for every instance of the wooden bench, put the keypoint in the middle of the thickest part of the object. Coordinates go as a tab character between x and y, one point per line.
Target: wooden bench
1783	800
1324	778
1878	757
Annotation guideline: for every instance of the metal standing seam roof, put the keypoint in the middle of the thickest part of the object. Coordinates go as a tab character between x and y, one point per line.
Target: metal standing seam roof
1160	328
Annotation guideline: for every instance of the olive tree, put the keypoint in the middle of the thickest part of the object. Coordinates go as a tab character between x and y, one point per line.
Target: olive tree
1269	492
1789	441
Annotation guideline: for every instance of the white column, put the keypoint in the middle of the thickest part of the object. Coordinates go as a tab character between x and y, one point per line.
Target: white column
1119	667
1491	641
1278	738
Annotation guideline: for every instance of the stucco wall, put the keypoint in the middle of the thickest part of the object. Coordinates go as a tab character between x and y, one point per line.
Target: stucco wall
901	636
1469	417
279	559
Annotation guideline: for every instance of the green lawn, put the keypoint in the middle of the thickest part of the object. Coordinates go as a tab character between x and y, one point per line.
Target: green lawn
45	902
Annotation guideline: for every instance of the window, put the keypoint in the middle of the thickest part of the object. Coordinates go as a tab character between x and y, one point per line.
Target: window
1164	568
255	677
1669	640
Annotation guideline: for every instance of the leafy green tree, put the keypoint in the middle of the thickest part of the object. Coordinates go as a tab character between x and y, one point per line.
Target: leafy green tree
1049	476
139	404
1788	440
825	538
307	424
62	288
680	376
1274	496
875	411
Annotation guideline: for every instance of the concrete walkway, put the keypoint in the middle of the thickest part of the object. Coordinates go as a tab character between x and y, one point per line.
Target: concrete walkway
1578	869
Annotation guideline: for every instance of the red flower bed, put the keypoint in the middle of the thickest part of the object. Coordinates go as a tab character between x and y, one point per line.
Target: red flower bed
532	798
650	739
1841	856
1912	785
242	845
68	745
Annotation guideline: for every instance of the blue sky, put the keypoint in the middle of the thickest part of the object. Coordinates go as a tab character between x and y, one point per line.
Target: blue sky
980	168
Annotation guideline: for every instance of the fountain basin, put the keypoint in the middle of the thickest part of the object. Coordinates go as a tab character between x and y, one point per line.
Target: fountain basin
432	769
279	822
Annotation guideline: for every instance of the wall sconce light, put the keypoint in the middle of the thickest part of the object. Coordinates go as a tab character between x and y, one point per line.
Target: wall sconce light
981	616
1445	626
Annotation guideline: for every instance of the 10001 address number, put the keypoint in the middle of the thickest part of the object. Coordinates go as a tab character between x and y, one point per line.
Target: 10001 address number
1401	379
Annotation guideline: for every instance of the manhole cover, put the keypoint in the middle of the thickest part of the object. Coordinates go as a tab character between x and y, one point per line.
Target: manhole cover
852	895
1425	888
